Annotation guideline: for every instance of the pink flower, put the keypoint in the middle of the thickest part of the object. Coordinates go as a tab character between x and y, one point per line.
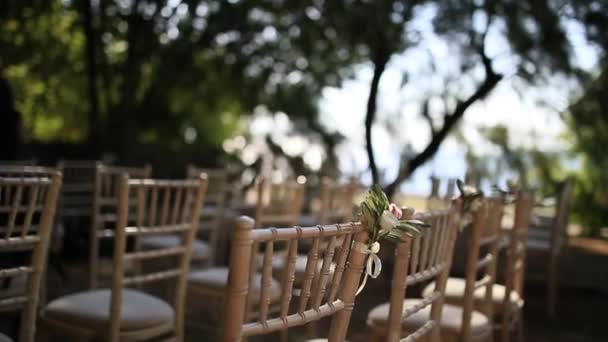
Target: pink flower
394	209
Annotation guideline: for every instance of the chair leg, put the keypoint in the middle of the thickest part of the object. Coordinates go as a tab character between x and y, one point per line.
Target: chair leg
520	328
505	329
552	286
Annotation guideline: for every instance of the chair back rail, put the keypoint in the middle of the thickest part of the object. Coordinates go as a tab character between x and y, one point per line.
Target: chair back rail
215	201
420	259
331	279
278	204
516	259
27	209
336	201
562	214
78	186
105	201
179	203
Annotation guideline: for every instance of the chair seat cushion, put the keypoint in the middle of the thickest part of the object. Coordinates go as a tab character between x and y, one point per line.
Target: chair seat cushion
4	338
454	292
91	309
216	278
200	249
451	319
278	266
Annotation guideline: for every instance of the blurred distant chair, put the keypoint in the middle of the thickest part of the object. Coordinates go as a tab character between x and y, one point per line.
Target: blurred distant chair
425	257
249	295
212	214
435	200
336	202
76	201
453	322
104	216
22	162
27	209
277	205
549	238
507	299
118	313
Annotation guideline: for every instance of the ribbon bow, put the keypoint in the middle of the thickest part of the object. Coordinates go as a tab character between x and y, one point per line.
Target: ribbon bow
373	266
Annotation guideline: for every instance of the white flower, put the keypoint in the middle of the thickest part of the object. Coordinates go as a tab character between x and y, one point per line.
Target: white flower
388	221
374	248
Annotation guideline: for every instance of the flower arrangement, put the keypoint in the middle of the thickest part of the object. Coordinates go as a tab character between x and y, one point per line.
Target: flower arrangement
384	220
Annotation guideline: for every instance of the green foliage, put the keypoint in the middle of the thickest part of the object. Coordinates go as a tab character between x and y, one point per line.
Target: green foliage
588	124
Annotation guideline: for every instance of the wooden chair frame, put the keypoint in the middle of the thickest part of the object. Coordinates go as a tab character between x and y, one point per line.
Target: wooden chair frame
512	316
28	196
162	206
77	190
105	199
212	213
420	259
336	201
315	302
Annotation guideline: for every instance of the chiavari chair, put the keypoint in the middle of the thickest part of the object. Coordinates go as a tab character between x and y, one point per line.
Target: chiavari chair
418	259
277	204
27	210
104	216
322	293
123	313
547	241
477	291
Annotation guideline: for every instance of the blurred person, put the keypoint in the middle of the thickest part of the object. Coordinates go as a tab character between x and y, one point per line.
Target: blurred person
11	126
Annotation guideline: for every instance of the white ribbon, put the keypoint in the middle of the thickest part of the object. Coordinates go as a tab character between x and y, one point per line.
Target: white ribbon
373	266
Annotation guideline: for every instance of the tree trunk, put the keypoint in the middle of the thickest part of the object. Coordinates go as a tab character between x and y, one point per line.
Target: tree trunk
380	60
94	124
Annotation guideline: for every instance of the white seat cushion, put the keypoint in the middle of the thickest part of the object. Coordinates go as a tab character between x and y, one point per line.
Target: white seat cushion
451	319
91	309
454	292
200	249
216	278
4	338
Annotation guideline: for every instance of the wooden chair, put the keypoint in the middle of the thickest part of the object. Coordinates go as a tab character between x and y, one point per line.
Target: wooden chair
548	241
247	289
27	207
17	284
419	259
19	162
509	307
212	214
77	189
476	296
278	204
118	313
103	220
336	202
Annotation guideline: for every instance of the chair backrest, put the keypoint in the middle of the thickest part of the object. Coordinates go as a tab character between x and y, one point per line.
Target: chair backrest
562	215
278	204
105	201
22	162
215	200
332	275
336	201
482	258
18	171
161	207
516	250
78	186
423	258
27	209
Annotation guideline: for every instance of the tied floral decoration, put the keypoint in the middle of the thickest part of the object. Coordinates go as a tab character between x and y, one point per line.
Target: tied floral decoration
382	220
471	200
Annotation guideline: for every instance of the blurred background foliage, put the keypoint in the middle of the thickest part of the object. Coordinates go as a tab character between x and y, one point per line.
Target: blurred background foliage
110	76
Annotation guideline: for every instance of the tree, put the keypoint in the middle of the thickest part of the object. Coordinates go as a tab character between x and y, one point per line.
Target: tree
536	41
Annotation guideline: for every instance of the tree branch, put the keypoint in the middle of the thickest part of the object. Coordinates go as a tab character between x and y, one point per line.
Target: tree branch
491	80
380	59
